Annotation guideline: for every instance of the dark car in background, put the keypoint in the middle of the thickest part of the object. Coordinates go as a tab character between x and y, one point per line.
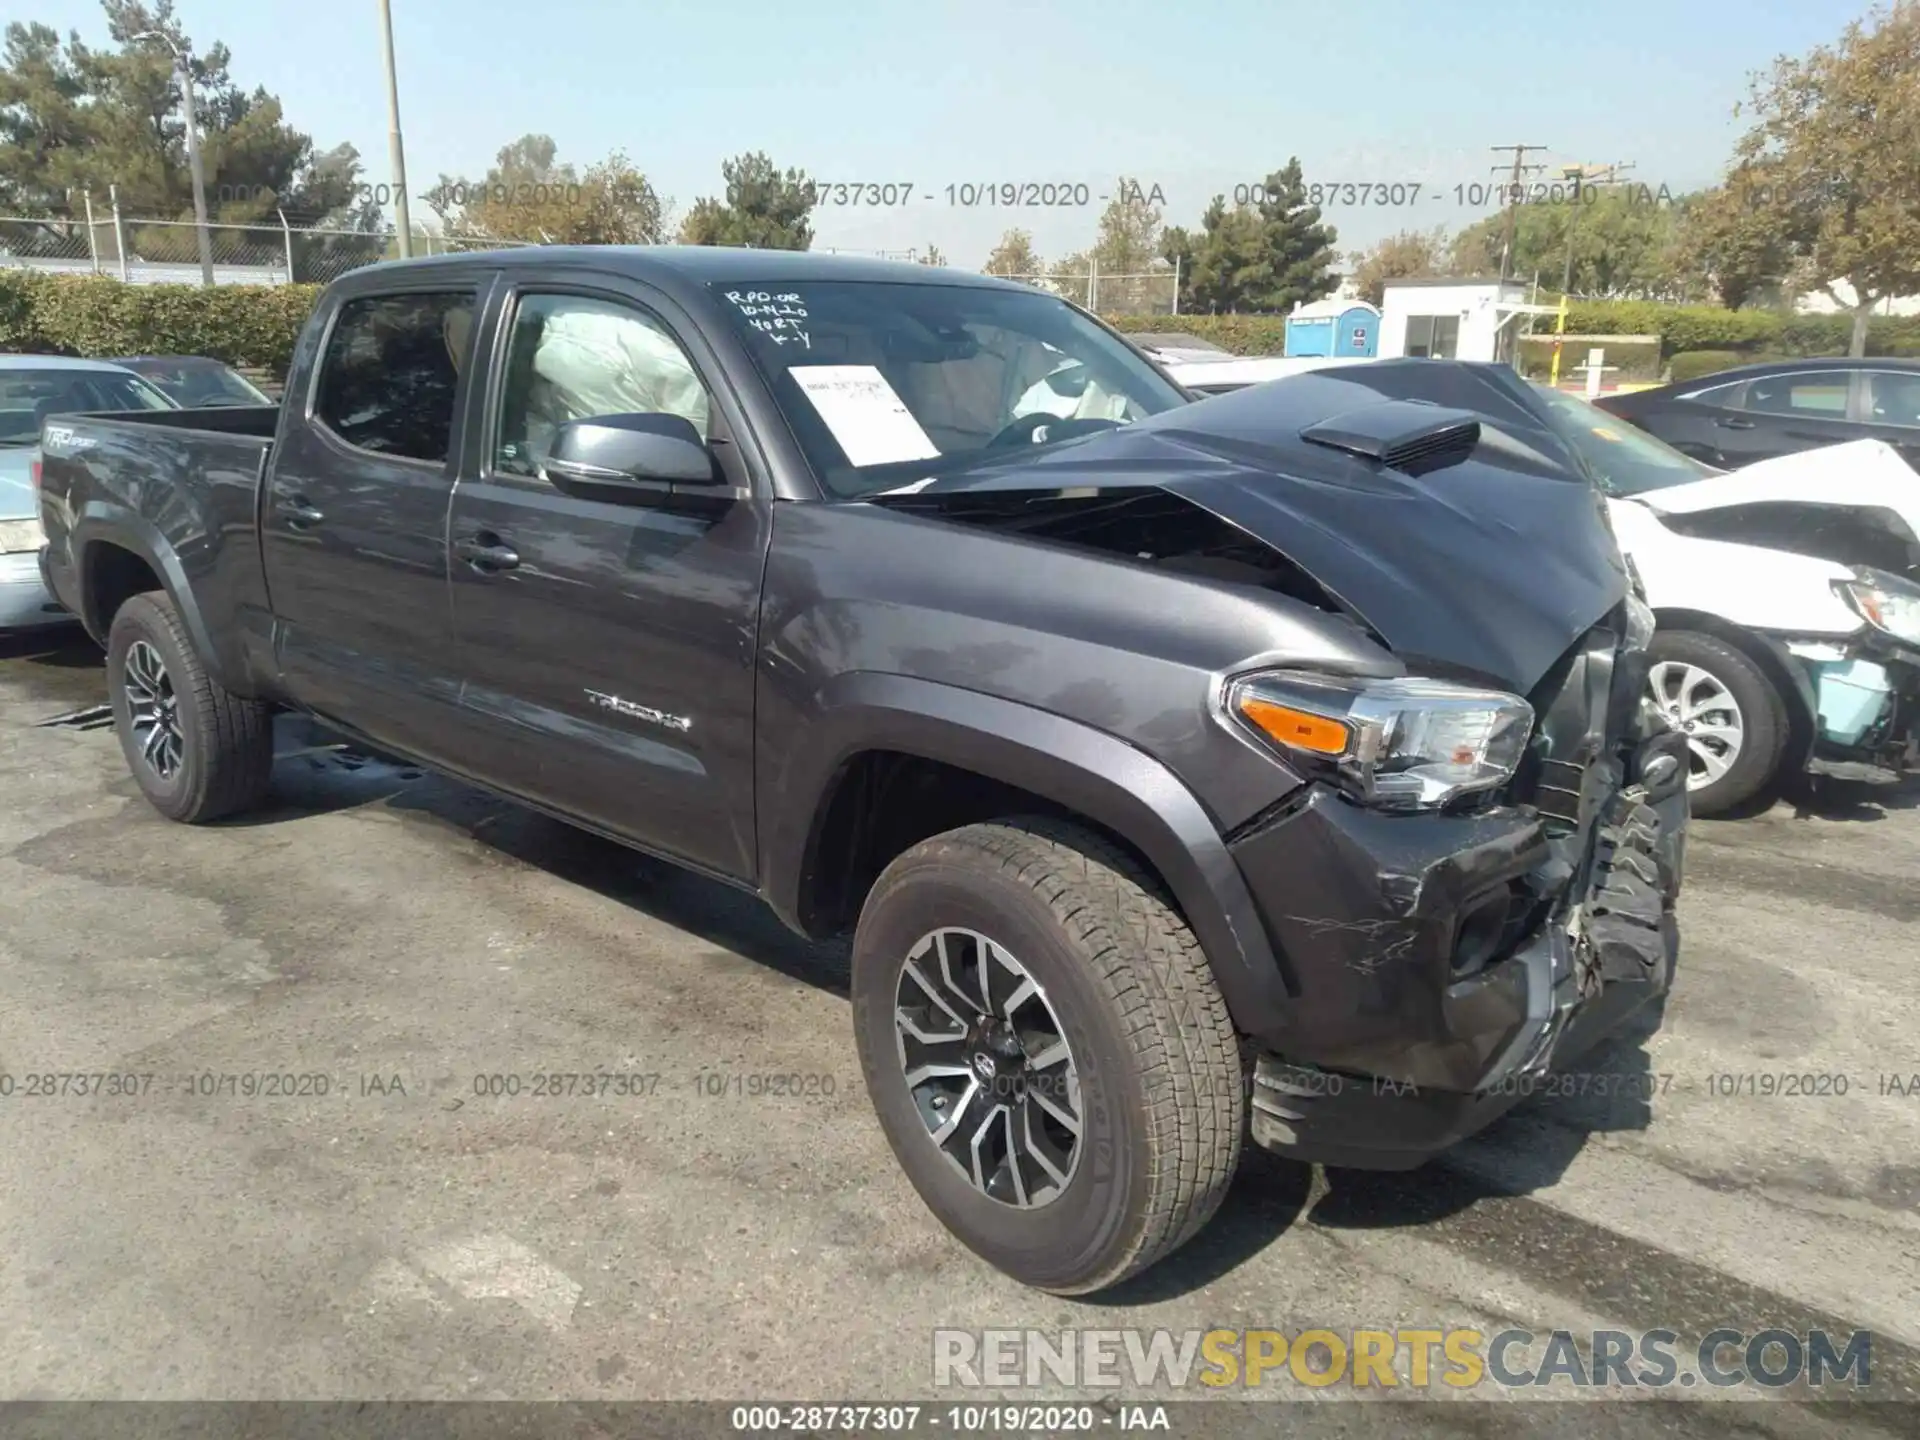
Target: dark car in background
195	382
1756	412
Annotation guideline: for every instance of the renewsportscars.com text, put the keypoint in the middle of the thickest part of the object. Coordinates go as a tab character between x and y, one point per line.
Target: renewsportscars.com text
1457	1358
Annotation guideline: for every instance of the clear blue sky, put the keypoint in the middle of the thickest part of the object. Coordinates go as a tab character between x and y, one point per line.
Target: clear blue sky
1193	95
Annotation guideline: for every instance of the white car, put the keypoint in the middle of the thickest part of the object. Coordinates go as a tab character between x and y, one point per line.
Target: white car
1769	656
1784	594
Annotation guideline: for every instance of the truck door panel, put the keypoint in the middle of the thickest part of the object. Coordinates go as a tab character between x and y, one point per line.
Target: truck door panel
613	657
354	520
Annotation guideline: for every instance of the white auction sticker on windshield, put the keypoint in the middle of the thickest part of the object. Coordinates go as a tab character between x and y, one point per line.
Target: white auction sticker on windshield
865	414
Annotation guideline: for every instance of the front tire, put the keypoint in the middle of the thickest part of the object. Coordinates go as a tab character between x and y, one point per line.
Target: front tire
1733	717
1047	1051
196	750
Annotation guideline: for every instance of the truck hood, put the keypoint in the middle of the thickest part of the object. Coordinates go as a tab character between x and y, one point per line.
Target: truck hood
1489	562
1853	504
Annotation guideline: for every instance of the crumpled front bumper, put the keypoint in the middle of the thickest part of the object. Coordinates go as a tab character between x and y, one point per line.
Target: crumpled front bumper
1865	697
1406	1036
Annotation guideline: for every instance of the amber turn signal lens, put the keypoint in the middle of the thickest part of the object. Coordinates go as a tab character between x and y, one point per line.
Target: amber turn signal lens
1300	729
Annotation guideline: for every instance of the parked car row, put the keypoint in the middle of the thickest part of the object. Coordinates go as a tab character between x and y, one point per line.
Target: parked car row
1277	767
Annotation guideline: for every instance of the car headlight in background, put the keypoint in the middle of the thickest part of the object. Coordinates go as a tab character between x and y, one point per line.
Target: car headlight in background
1401	744
1884	602
18	536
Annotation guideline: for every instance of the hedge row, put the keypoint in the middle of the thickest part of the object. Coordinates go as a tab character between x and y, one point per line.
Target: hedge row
257	325
90	315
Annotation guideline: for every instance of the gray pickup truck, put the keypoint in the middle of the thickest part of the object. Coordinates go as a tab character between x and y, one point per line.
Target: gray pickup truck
1268	766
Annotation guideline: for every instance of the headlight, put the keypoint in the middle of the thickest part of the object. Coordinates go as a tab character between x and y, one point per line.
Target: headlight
1404	744
20	535
1884	602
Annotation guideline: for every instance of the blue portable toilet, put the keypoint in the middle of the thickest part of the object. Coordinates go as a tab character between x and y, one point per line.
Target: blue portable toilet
1334	327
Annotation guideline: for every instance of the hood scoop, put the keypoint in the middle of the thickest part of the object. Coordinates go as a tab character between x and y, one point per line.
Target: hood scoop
1411	436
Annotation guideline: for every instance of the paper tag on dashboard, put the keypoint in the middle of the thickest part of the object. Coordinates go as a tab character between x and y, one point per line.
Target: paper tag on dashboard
865	414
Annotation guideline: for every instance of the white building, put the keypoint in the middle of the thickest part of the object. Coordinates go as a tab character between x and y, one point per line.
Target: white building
1447	318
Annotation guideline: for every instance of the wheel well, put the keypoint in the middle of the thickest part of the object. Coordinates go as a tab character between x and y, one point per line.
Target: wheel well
882	803
114	575
1801	721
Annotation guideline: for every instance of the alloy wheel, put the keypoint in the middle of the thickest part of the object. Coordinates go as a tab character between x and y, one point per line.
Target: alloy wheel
1699	706
989	1067
153	709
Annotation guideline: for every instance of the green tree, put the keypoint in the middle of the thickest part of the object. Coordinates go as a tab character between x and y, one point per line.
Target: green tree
75	120
1732	246
528	194
1402	256
1298	249
1269	256
1015	256
1126	248
763	208
1610	242
1836	138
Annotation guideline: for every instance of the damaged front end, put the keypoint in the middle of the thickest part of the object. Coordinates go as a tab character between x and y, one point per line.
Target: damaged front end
1470	871
1444	969
1864	689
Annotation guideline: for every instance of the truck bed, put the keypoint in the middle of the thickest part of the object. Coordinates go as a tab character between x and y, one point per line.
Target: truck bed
191	476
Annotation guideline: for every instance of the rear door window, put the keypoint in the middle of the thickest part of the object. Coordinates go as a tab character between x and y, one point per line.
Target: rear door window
391	374
1820	395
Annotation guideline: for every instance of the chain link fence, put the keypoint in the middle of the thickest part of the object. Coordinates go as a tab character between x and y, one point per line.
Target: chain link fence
152	252
1151	293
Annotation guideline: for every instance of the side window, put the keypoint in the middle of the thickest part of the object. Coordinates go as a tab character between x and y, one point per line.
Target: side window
391	369
1821	395
1893	398
1727	397
571	358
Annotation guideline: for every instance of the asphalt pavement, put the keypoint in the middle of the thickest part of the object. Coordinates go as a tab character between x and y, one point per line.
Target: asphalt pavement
330	1168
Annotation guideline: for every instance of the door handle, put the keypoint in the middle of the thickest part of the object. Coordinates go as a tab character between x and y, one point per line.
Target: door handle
486	553
1732	423
300	512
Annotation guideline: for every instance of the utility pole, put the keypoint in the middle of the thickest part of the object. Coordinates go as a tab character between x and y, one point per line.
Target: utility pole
183	72
1583	176
396	151
1520	170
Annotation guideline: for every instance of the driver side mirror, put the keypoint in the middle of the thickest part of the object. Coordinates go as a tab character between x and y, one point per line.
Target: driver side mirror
636	459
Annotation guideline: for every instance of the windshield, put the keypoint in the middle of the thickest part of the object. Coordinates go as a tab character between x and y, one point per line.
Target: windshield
888	384
27	397
1625	459
198	383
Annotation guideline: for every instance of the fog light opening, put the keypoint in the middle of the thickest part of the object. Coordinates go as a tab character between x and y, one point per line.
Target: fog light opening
1478	936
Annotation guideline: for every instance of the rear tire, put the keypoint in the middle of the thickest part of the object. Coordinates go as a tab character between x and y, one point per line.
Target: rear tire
1738	717
196	750
1152	1069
